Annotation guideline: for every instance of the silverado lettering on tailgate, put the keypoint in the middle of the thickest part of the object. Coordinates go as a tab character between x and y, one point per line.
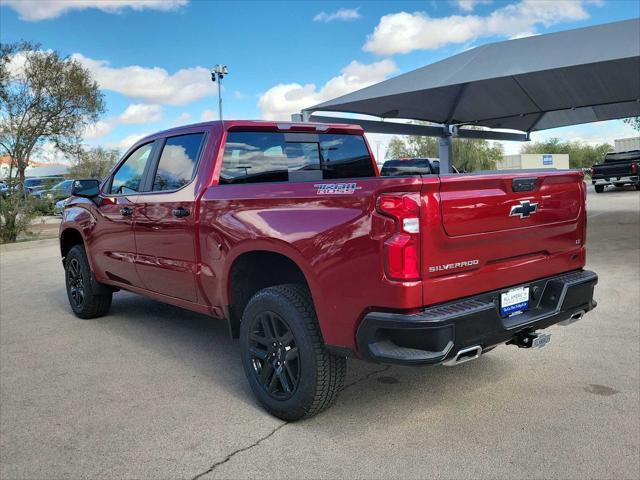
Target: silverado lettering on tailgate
453	266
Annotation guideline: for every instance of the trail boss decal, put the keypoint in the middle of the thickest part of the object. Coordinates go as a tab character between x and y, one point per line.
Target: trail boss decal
453	266
336	188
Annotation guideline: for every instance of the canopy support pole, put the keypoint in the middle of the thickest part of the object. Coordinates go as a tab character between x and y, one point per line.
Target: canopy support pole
446	153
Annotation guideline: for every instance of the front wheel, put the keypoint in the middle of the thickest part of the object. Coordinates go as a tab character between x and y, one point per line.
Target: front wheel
84	302
284	357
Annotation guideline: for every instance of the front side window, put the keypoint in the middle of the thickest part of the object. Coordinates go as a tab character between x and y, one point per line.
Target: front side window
252	157
128	178
177	162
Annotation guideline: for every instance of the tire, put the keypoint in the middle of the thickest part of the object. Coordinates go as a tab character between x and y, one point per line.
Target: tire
298	377
84	302
599	188
637	186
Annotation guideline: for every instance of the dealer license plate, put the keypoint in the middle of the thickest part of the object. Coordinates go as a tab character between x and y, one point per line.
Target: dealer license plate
514	301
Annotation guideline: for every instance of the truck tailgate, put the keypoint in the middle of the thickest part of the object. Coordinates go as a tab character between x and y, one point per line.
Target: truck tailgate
488	231
612	169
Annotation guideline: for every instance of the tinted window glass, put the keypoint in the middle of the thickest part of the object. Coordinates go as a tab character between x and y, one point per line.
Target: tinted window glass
251	157
345	156
392	168
177	162
128	177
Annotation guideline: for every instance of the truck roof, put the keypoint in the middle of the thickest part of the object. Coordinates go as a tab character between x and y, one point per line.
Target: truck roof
268	125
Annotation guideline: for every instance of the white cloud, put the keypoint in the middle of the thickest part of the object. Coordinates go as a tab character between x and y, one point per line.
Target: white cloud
138	113
342	15
182	119
280	101
33	10
97	130
152	85
470	5
404	32
238	95
208	115
128	141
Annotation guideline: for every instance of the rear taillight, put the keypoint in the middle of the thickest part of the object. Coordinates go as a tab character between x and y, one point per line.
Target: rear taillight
402	249
634	168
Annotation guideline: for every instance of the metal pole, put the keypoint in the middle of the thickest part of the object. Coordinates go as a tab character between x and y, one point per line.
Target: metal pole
220	98
446	153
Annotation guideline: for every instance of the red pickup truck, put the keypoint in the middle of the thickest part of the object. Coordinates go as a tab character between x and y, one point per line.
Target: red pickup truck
287	232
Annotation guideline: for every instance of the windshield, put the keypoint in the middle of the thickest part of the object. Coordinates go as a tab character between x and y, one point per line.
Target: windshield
64	185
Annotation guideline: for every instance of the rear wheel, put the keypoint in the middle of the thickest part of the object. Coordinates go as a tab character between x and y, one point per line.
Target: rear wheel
284	357
84	302
599	188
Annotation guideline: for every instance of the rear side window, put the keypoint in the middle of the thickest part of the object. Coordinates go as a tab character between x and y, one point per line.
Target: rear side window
397	168
252	157
177	162
128	178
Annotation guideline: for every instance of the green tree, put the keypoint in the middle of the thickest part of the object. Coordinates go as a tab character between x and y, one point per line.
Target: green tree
44	98
581	155
634	122
468	154
94	163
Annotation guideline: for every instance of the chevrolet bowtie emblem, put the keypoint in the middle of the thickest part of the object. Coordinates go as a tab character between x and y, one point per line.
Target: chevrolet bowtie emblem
523	210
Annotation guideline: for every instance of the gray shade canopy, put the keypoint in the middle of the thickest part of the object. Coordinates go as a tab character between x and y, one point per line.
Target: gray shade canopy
528	84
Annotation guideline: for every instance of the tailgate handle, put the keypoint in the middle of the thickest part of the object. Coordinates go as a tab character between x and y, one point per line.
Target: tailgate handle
523	184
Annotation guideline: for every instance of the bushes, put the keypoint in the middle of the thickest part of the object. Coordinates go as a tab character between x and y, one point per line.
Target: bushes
17	213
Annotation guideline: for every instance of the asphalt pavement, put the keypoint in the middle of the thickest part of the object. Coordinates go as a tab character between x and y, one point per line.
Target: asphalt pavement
152	391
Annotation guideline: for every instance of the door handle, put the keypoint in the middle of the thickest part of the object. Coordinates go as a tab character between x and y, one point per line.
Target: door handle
180	212
126	211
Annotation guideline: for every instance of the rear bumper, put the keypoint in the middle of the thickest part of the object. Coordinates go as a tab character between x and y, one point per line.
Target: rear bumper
615	179
435	334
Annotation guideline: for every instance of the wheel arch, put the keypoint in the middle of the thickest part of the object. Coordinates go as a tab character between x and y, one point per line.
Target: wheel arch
253	269
70	237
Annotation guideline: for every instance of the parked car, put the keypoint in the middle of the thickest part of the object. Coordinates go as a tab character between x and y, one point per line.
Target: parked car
58	192
36	184
412	166
58	208
285	232
619	169
4	189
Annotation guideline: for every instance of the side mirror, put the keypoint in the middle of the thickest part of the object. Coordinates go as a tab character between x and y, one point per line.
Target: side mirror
88	188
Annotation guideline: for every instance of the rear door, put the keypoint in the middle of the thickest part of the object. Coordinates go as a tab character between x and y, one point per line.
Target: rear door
493	230
165	219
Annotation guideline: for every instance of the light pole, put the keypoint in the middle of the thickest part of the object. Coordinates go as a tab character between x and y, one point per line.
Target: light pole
217	73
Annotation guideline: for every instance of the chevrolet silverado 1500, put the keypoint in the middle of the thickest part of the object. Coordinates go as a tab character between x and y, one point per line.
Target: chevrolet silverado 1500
287	232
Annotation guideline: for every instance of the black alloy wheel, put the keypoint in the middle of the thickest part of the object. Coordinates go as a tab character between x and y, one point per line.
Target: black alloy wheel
75	282
87	297
274	355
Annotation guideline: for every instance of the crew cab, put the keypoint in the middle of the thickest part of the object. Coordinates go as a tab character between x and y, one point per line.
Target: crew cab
287	232
619	169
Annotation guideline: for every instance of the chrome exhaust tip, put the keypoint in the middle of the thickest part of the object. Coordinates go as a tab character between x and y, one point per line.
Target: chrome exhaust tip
573	318
464	355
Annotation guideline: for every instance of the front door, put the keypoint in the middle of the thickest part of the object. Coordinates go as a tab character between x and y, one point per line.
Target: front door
165	221
114	247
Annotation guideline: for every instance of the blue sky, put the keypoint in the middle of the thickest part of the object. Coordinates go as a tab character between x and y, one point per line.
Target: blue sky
151	56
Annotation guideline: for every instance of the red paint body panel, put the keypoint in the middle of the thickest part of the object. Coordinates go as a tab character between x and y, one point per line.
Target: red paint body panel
336	240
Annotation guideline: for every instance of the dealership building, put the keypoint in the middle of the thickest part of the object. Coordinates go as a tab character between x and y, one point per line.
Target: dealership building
533	160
